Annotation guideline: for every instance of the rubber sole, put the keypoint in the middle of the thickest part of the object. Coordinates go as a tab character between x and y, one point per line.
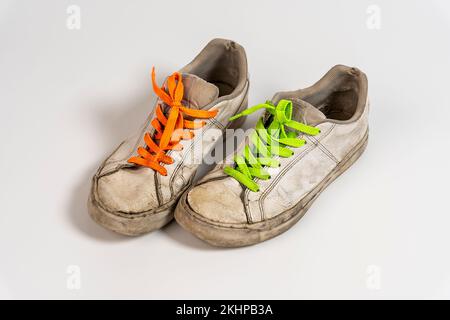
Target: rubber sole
249	234
134	225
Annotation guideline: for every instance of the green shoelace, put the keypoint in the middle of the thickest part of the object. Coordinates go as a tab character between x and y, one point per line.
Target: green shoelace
266	143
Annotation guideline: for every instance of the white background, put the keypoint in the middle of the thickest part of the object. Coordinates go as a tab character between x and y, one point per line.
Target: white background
68	97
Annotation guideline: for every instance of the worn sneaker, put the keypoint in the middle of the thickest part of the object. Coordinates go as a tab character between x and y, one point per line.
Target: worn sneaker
305	140
136	188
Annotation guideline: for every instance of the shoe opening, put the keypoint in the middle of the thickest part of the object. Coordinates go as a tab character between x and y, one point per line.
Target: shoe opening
222	63
340	95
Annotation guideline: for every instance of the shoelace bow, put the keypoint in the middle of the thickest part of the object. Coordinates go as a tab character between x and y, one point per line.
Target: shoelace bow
267	143
169	131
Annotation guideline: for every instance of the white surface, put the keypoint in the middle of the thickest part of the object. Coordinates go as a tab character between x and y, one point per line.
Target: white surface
68	97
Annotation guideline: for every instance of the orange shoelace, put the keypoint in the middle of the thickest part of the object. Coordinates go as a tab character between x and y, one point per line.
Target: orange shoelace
169	131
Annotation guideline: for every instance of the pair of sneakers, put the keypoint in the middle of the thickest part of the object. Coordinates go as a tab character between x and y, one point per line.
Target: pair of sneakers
304	140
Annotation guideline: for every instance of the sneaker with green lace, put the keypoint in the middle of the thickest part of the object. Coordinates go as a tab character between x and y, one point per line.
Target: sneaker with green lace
304	140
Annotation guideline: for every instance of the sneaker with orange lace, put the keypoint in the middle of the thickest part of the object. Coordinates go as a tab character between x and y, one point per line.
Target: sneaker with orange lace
137	187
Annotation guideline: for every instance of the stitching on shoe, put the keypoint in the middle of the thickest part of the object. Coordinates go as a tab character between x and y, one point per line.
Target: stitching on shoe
183	159
300	156
323	149
217	124
282	173
292	163
210	122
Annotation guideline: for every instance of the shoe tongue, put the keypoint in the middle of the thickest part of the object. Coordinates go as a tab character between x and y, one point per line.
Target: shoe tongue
306	113
197	92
